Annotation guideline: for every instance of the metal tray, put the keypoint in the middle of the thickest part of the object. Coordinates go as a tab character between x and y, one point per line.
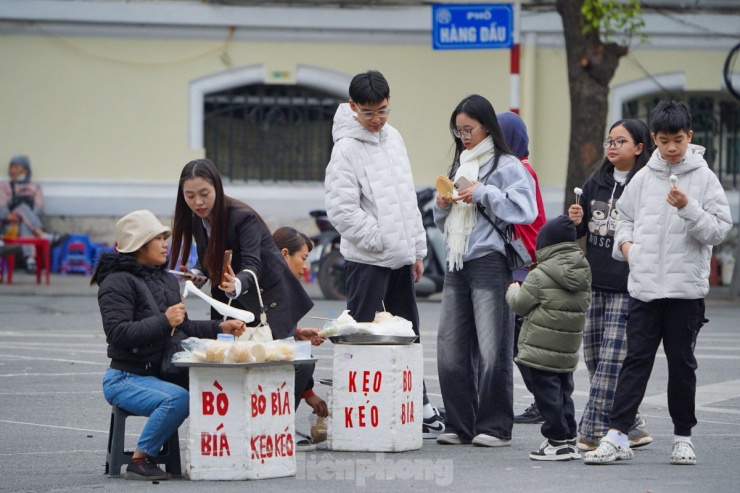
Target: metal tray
209	364
373	340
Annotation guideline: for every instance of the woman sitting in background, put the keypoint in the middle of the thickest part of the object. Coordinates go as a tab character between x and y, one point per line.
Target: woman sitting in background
136	334
21	206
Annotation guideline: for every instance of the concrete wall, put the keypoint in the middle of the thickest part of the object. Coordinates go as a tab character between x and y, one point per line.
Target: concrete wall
99	97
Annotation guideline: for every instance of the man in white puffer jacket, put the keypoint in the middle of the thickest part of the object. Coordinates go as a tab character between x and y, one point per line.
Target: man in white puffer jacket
670	215
371	201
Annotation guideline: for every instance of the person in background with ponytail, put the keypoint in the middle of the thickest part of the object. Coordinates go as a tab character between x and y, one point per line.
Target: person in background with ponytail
295	247
628	148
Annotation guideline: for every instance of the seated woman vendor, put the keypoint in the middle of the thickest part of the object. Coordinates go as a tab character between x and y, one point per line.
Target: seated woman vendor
137	331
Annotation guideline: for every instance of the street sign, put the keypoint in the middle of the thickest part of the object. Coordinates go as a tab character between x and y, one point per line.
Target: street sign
475	26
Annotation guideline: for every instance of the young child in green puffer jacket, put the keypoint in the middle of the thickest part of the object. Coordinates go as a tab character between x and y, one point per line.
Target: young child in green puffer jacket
553	300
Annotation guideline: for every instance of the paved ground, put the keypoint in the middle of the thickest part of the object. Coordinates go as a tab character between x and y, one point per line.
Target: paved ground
54	420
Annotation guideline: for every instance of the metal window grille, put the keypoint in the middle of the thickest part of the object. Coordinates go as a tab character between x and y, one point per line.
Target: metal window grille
270	133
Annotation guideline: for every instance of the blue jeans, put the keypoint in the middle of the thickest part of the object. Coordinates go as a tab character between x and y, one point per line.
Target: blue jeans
166	404
475	349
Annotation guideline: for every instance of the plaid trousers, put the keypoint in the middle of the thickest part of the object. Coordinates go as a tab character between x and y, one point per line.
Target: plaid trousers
604	350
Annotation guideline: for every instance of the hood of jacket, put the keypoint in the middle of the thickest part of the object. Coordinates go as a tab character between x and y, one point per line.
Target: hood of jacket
571	271
347	126
694	159
116	262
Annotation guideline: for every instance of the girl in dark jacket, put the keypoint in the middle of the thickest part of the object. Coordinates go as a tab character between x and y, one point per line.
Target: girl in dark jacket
136	335
628	148
219	223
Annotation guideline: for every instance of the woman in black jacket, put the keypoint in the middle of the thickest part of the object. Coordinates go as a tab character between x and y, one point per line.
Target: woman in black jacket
219	223
137	334
628	149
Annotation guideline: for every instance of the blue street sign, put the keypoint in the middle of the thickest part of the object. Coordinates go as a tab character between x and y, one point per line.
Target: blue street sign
472	26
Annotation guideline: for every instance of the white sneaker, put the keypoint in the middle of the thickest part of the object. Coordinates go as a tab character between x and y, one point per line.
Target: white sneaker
607	452
305	446
683	454
452	439
483	440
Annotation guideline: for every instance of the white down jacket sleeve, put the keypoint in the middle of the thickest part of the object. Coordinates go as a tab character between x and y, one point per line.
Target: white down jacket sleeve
343	199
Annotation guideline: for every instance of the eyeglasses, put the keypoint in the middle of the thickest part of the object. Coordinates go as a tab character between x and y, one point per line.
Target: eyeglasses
617	144
465	133
368	115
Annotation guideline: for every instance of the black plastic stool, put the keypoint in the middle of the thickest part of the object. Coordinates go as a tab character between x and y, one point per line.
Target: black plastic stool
117	457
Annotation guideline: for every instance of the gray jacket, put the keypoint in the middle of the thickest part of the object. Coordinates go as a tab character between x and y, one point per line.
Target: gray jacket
508	196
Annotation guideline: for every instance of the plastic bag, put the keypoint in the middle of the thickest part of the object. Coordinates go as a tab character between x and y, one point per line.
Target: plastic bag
394	326
318	428
248	352
281	350
388	325
214	351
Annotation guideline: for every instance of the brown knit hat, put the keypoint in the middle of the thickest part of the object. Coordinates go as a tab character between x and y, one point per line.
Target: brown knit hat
135	230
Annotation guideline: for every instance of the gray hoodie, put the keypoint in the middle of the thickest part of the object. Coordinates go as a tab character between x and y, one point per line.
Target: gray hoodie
508	197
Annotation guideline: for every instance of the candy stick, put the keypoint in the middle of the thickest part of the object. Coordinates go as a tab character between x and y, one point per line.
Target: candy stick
578	193
222	308
674	179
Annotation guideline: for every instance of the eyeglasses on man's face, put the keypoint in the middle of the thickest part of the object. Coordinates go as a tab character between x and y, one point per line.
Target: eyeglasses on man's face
368	115
468	134
615	143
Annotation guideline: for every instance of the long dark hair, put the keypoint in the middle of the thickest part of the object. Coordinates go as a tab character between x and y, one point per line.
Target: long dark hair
185	218
640	135
480	109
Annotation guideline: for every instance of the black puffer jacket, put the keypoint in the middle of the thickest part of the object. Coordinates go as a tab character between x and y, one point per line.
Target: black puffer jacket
136	336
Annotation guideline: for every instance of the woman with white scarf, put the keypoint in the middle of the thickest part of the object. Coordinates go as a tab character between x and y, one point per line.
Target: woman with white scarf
476	327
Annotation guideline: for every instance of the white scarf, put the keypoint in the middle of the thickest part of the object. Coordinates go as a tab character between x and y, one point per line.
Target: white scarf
462	217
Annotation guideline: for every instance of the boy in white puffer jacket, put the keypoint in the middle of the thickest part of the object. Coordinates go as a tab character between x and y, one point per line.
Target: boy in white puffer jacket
670	215
371	201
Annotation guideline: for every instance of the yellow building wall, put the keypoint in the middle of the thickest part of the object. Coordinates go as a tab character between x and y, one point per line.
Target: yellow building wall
107	108
546	113
118	108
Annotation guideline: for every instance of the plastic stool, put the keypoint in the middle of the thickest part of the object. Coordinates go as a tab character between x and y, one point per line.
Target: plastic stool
7	261
118	457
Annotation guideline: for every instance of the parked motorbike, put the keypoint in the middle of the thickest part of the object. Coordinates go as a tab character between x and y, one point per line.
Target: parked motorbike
326	263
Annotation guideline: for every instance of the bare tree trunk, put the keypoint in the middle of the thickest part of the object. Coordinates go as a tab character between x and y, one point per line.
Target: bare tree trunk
591	66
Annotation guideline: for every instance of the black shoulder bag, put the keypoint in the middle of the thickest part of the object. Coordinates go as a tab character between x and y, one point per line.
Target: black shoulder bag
167	369
517	255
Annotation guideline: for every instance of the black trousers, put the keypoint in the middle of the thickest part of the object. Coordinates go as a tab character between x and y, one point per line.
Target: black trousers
370	287
524	370
552	394
676	322
303	380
